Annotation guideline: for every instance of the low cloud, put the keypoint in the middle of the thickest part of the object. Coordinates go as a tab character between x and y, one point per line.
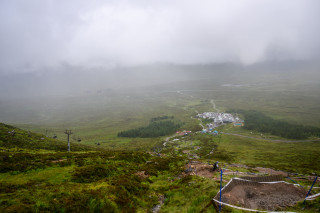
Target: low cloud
38	35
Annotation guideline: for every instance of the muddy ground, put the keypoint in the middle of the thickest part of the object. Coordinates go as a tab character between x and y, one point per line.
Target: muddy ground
276	196
200	169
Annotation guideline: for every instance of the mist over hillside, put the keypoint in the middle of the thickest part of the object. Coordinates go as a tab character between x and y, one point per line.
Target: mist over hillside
77	81
74	93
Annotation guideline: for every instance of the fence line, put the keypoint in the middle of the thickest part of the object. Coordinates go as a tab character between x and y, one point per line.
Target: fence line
313	197
237	207
250	181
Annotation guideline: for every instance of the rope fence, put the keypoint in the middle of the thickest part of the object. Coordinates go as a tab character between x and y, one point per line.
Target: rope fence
251	181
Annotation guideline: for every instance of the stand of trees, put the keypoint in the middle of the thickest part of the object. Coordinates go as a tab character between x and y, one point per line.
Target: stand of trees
154	129
260	122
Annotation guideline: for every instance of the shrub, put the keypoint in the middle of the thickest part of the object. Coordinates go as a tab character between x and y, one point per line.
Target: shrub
92	173
82	201
127	188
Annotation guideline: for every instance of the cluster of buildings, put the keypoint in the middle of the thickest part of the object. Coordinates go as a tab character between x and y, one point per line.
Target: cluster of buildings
219	118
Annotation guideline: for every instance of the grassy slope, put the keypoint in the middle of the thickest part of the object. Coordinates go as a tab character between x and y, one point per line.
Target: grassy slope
56	187
302	157
45	180
52	182
29	140
100	118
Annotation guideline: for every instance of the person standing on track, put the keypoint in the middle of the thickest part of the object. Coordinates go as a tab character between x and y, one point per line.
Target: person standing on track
215	166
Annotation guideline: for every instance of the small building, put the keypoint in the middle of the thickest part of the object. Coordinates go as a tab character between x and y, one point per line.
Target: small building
184	132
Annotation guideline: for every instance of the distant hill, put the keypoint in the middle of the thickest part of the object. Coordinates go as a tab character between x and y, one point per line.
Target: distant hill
11	137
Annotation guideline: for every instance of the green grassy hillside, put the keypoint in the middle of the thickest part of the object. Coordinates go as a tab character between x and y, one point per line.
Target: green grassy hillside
12	137
36	180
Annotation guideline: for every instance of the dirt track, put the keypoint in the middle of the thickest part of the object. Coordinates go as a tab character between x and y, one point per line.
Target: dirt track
204	170
272	197
200	169
271	171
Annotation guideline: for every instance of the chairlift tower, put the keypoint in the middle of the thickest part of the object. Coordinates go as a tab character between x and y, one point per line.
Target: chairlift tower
68	132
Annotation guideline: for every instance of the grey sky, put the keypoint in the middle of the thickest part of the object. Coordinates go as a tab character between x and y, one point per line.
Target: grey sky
45	34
